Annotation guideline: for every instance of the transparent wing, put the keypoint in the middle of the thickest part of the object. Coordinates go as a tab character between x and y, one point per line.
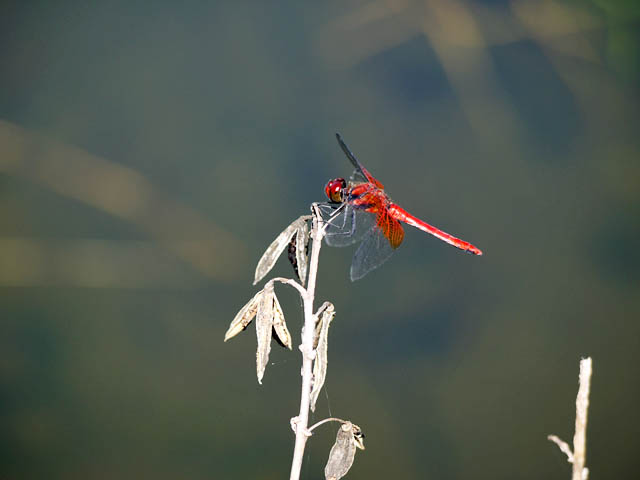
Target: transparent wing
374	250
377	245
348	225
358	177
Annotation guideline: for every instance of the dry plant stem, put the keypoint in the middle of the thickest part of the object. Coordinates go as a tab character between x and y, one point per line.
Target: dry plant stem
330	419
582	406
579	454
563	446
317	233
293	283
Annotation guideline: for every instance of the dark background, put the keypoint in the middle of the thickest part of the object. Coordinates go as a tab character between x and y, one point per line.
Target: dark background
149	153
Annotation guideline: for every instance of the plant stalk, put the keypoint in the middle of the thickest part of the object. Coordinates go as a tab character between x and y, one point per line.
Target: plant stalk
580	436
308	353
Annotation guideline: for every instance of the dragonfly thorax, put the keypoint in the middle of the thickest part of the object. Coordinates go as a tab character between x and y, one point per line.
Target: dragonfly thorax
335	190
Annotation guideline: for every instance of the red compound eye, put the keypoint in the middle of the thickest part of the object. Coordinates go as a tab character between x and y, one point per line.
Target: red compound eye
334	190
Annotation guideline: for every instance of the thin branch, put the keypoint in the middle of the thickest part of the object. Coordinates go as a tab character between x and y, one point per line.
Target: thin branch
563	446
579	455
293	283
308	354
582	407
326	420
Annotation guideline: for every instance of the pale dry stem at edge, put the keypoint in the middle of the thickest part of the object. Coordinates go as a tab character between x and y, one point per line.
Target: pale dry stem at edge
579	454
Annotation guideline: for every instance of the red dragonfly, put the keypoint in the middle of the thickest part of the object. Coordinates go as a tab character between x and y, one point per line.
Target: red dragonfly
361	210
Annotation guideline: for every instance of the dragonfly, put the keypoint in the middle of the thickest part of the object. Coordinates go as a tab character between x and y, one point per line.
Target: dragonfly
360	210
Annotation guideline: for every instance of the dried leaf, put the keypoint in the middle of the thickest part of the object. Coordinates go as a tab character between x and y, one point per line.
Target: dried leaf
243	317
343	451
264	326
302	251
279	325
321	360
273	252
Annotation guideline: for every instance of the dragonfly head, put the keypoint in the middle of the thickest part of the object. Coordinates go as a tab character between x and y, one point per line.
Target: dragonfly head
334	190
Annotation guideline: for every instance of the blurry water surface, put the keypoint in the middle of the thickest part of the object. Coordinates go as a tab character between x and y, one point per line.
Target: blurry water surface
149	154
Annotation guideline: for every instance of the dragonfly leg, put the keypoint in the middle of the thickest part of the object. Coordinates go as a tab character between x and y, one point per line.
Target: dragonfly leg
329	208
341	225
334	213
332	210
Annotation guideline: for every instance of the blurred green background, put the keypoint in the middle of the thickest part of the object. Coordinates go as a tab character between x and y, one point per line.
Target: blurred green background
150	152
